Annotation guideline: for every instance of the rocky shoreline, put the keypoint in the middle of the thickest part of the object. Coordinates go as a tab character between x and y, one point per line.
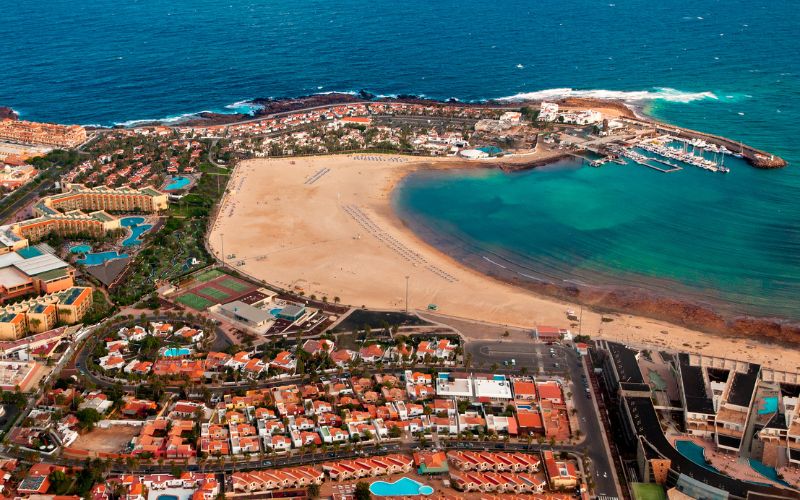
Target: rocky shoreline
272	106
7	113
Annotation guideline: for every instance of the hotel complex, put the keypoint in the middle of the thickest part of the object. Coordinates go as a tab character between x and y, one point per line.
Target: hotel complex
75	201
44	313
32	271
50	134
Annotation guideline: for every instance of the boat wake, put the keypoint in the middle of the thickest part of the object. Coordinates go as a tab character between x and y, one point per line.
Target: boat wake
657	93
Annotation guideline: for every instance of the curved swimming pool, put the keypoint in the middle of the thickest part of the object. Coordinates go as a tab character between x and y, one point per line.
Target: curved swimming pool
403	487
131	221
81	249
178	182
95	259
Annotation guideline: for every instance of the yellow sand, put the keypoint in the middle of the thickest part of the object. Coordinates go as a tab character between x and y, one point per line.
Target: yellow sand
300	236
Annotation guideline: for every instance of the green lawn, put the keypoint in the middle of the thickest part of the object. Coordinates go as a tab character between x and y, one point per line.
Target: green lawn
648	491
214	292
194	301
234	284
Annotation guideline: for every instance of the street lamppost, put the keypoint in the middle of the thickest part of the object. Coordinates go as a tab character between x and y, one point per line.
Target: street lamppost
407	293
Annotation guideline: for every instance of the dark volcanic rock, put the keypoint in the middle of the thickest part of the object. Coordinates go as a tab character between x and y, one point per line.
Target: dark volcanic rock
8	114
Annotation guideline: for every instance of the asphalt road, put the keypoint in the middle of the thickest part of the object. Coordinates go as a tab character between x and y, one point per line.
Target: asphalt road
538	360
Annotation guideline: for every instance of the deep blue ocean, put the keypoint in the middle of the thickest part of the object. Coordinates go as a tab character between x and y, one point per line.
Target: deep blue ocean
730	67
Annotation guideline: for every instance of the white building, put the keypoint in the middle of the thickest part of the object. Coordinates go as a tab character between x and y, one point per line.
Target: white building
492	387
585	117
548	112
511	117
454	385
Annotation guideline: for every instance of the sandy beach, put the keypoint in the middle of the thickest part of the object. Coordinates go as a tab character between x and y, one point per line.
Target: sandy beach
325	226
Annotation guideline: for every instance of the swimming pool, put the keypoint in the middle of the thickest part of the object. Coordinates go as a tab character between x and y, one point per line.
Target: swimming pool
95	259
178	182
402	487
174	352
136	232
491	150
766	471
275	312
770	405
81	249
166	497
693	452
131	221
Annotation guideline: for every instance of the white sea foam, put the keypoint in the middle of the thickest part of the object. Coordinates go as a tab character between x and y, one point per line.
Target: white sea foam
658	93
246	107
170	120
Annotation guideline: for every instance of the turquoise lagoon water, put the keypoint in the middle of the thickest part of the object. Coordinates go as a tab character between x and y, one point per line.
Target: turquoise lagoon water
173	352
178	182
137	229
402	487
96	259
728	240
730	68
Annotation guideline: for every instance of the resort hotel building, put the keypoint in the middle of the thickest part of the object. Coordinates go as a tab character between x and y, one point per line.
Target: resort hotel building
50	134
44	313
66	213
33	272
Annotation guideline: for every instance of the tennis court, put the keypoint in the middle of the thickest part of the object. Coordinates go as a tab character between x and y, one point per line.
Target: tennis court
209	275
214	287
215	293
194	301
234	284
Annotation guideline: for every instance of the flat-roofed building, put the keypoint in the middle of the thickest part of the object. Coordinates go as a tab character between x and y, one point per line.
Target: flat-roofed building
41	273
16	374
247	314
454	385
42	313
50	134
491	387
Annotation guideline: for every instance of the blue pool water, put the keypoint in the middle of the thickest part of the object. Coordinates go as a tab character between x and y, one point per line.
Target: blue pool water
81	249
766	471
131	221
401	487
176	183
694	453
275	311
95	259
29	252
491	150
173	352
166	497
770	406
137	229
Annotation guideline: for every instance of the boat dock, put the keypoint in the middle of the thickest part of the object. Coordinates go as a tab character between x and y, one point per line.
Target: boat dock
644	161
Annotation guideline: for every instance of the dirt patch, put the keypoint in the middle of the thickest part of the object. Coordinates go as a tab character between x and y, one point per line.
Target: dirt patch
111	440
